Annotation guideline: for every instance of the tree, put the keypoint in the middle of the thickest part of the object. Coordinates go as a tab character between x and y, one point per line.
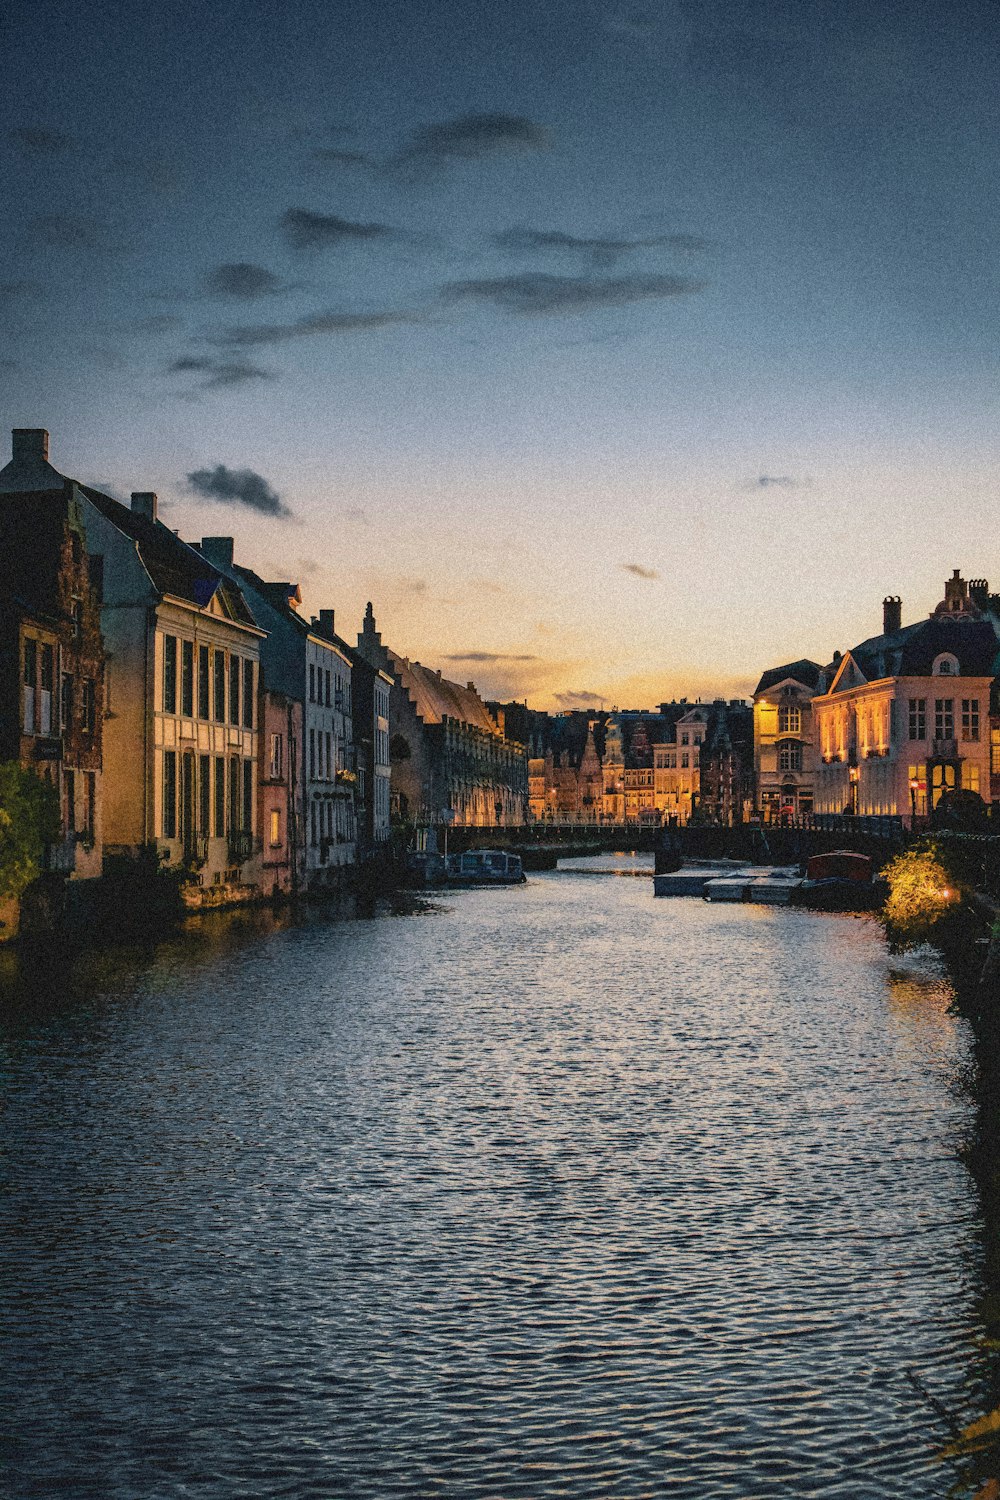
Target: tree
29	819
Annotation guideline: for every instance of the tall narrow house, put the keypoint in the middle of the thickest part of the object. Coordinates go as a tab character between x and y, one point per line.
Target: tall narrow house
51	653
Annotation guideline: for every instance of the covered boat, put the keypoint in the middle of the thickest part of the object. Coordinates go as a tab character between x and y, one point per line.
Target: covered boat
485	867
840	881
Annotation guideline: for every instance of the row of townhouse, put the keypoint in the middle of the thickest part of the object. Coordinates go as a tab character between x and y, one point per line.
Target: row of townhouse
176	700
886	728
629	766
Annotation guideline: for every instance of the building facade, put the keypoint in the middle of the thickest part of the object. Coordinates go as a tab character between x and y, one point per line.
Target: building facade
52	666
784	738
906	717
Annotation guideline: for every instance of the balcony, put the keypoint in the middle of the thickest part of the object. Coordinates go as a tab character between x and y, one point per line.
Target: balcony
241	847
944	749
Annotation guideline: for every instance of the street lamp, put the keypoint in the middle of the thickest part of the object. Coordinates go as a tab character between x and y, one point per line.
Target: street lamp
914	788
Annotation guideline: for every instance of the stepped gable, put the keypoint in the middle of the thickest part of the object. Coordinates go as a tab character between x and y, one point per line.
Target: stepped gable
805	671
435	698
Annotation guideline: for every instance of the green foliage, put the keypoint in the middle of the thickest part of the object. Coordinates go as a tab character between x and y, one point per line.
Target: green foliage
29	819
927	884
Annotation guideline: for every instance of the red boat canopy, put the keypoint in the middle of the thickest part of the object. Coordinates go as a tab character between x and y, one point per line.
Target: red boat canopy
840	864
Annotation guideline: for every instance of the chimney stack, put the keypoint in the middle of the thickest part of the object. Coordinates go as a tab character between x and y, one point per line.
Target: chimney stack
979	592
892	614
218	550
30	442
144	504
326	623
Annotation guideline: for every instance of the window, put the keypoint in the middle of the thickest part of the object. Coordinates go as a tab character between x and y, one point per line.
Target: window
203	708
204	793
235	789
248	694
918	790
220	797
90	810
995	752
970	718
48	682
944	718
234	690
685	757
327	699
30	684
77	613
329	757
918	718
89	706
276	768
312	682
169	674
970	778
684	737
69	787
789	755
312	755
247	823
220	686
275	828
945	665
789	720
187	678
66	703
170	793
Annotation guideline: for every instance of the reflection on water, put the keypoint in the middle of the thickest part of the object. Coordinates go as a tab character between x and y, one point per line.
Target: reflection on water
548	1191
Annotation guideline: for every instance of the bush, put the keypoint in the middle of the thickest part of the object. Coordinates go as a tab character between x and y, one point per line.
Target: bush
29	819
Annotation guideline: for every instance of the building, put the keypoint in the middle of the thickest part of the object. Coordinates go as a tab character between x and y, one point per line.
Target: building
906	716
726	774
677	767
306	665
450	760
372	691
51	651
180	690
784	740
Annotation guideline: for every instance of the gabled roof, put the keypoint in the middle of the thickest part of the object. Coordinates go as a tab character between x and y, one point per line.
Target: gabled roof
435	698
809	673
174	567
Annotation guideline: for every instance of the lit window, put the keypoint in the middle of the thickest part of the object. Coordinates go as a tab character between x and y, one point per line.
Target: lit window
789	720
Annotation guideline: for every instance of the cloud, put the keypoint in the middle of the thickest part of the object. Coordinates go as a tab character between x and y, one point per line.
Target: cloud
314	323
776	482
473	136
306	230
335	156
41	140
242	280
237	487
67	232
535	292
597	250
580	699
148	172
219	373
488	656
10	290
413	585
639	570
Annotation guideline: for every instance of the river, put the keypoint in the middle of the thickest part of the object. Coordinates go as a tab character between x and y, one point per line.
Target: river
551	1191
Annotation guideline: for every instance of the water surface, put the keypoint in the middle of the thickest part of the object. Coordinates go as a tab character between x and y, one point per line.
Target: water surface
551	1191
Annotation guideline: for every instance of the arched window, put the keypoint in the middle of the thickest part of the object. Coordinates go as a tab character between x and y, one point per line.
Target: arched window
945	665
789	755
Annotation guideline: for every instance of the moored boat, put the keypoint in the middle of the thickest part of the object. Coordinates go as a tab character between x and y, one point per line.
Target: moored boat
485	867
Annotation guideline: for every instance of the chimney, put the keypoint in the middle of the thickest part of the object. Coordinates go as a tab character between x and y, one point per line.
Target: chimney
979	592
30	442
326	623
144	504
892	614
218	550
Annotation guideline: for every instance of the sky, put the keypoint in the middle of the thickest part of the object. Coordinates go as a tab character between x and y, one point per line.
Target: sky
616	352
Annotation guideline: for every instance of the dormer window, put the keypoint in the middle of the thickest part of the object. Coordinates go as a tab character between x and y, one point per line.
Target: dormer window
945	665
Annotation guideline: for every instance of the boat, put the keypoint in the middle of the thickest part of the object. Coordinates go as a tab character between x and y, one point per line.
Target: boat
841	881
485	867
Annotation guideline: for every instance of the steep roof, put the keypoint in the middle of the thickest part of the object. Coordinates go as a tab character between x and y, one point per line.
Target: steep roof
174	567
912	650
435	698
809	673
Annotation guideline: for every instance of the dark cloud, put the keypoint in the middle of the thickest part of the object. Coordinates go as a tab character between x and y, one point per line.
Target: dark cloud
67	232
776	482
158	323
243	281
41	140
237	487
10	291
8	364
597	250
487	656
314	323
306	230
335	156
473	136
639	571
219	373
147	172
581	699
637	24
535	292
